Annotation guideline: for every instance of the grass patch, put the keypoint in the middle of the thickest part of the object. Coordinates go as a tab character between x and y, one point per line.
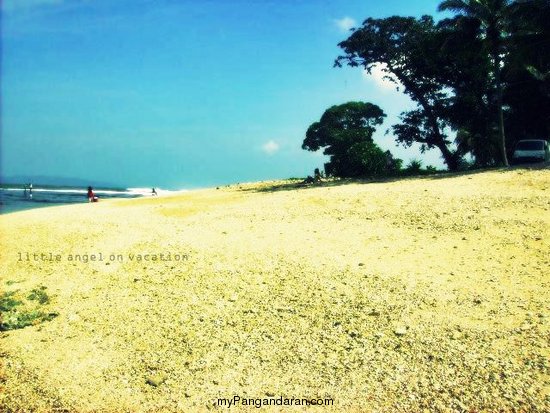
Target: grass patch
19	313
39	294
7	302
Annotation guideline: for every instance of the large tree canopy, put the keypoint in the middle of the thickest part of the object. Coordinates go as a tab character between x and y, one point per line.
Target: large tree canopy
466	73
342	125
492	18
528	72
476	74
408	50
344	132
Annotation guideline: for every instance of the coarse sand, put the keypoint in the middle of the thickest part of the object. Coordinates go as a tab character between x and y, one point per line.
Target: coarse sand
428	294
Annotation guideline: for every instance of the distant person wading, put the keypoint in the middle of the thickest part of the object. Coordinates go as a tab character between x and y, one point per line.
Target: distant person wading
30	190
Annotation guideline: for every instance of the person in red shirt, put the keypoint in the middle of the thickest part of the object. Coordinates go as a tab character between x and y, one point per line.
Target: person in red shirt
91	195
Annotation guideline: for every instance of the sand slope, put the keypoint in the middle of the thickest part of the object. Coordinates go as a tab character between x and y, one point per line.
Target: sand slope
420	294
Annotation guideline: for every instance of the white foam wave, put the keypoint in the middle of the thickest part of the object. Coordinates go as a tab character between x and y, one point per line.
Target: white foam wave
127	191
149	191
68	191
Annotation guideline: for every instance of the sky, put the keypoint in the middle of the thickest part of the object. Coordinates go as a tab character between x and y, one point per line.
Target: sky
182	93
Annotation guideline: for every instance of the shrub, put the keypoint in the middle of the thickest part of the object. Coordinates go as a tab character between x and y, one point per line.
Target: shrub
17	313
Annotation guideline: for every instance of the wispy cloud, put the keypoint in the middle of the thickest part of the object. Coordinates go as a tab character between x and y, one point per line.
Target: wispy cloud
345	24
270	147
381	78
25	5
38	17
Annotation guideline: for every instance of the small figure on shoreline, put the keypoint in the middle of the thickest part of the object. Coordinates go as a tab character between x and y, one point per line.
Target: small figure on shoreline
316	178
91	195
317	175
154	192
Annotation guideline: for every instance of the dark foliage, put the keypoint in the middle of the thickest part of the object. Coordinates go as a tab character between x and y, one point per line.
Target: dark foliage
482	75
344	132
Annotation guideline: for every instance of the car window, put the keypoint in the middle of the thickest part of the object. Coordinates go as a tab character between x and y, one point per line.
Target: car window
530	145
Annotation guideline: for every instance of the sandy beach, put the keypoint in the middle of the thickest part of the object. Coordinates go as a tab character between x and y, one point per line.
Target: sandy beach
428	294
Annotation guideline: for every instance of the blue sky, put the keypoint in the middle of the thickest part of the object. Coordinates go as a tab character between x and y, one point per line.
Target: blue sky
181	93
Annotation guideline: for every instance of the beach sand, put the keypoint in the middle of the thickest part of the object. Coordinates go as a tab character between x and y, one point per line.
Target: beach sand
427	294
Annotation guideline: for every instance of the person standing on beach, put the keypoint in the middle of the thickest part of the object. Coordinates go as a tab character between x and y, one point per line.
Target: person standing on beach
30	190
154	192
317	175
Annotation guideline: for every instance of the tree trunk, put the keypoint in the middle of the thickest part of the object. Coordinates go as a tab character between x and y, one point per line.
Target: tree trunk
451	159
495	43
500	113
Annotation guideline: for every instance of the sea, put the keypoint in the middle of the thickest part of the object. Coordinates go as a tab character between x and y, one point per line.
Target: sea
14	197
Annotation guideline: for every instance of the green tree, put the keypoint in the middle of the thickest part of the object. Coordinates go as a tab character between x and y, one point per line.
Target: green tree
465	70
492	17
528	70
344	132
529	28
407	49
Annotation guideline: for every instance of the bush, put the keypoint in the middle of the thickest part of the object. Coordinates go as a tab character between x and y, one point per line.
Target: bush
365	159
38	294
414	166
19	314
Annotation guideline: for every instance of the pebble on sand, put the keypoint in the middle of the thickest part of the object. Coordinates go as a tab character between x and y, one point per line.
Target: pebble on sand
156	380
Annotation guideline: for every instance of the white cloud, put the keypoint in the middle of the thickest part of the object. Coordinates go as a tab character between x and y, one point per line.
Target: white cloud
345	23
13	5
379	77
270	147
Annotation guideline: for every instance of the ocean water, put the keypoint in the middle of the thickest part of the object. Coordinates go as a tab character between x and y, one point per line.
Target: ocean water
13	197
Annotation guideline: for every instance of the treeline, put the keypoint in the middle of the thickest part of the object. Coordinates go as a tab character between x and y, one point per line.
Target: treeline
480	80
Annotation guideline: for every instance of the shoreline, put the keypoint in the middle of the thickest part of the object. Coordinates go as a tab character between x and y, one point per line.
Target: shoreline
277	184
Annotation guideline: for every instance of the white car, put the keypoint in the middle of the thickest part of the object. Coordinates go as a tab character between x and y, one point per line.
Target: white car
531	150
